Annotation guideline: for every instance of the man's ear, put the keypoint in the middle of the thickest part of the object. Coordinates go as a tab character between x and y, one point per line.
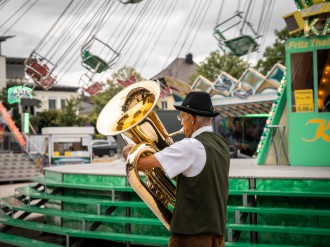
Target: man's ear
193	118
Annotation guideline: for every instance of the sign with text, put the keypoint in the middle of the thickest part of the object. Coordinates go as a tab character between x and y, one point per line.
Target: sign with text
15	94
304	100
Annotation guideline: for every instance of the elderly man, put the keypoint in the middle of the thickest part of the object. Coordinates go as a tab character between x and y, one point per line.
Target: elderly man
201	162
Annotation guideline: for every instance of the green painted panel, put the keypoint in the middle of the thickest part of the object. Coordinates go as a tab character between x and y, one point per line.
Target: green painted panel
238	184
293	202
309	132
95	179
293	185
309	140
56	176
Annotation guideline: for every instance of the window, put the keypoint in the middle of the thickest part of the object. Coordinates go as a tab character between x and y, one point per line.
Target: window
164	104
302	82
52	104
323	80
62	104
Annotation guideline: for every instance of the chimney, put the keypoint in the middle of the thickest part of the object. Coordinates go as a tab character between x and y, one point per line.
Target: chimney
189	58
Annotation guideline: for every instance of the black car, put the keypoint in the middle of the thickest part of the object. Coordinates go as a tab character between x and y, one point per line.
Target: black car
104	147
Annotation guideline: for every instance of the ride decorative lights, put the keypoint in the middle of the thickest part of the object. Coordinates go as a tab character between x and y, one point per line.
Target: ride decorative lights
301	4
326	28
271	114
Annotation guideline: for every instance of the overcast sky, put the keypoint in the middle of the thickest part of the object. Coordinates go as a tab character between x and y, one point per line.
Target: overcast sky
152	45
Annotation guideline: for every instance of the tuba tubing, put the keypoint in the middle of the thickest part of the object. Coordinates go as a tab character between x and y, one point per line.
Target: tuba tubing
131	113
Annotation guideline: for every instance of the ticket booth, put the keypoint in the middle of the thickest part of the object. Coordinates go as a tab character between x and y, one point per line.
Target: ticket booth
308	80
69	145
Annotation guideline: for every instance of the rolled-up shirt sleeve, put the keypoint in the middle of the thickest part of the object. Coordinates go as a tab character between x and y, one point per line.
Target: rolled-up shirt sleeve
186	156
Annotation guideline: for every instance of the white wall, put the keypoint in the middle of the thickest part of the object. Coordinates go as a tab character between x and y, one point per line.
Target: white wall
3	74
44	96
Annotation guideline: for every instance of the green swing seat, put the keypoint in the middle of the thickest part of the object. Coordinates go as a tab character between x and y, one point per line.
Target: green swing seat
94	62
241	45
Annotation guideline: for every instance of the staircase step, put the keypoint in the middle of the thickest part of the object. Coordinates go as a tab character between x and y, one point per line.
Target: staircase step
87	186
23	242
87	217
68	232
35	194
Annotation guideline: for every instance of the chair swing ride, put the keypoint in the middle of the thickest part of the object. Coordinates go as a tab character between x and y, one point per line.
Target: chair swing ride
58	50
53	57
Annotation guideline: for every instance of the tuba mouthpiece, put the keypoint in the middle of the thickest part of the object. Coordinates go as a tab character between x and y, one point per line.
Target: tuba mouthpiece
181	131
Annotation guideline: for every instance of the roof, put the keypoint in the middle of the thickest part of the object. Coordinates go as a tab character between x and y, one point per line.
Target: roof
178	69
236	107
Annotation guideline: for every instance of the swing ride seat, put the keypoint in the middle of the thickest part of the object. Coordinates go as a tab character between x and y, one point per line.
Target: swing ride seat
132	79
94	62
47	82
241	45
93	89
40	75
36	71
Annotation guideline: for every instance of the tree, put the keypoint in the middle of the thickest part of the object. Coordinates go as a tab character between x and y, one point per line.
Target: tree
275	53
68	116
59	118
45	119
215	63
125	72
99	100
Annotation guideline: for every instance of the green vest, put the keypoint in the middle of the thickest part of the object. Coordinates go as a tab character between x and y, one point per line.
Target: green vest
201	201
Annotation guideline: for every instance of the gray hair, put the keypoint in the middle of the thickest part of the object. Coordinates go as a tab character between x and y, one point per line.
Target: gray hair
203	120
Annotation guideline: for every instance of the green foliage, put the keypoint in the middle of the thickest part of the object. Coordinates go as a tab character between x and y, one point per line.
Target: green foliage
275	53
215	63
68	116
59	118
101	99
125	72
45	119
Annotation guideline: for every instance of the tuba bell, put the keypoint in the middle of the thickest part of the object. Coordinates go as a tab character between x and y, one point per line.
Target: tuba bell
131	113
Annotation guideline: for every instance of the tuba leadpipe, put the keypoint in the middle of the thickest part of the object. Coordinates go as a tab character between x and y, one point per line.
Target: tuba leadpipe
179	132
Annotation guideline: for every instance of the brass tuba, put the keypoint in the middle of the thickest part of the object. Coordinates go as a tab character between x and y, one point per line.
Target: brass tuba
130	112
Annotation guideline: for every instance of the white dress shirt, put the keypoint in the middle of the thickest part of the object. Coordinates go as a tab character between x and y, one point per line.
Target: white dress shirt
187	156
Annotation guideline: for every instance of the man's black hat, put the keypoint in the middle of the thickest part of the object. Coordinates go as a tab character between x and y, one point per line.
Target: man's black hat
199	104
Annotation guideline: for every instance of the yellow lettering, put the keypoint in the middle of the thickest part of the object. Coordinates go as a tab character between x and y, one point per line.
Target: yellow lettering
320	132
292	44
326	27
311	27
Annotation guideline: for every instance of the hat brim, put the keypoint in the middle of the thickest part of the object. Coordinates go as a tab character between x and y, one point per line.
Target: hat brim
196	112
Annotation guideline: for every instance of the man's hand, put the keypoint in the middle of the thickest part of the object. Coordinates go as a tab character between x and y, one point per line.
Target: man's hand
127	149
